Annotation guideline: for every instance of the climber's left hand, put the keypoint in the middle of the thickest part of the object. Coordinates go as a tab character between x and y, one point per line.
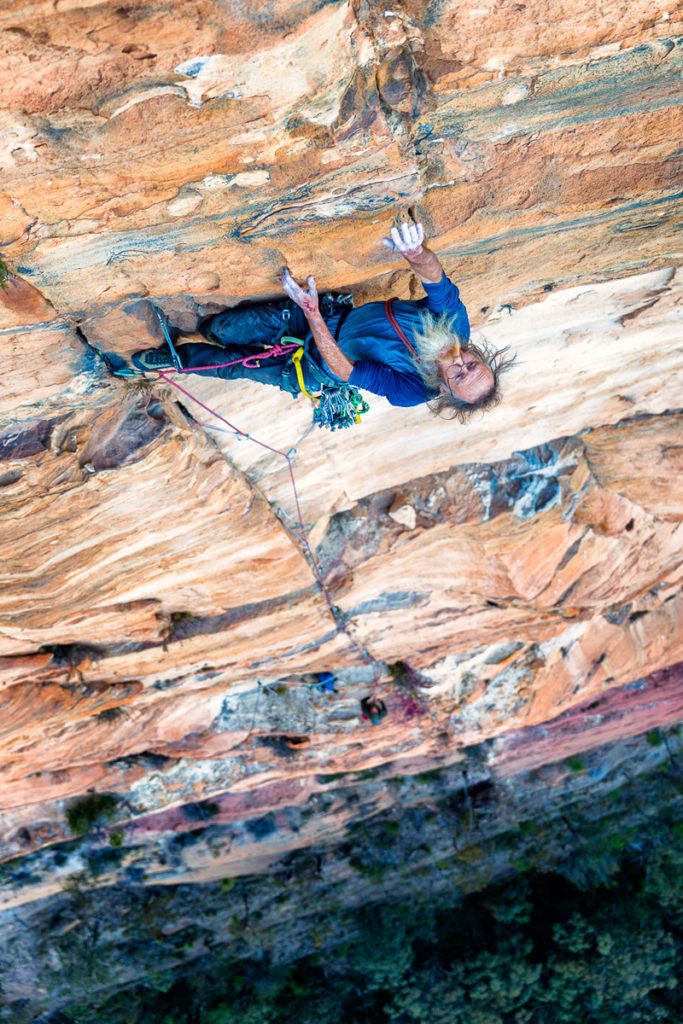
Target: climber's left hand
305	298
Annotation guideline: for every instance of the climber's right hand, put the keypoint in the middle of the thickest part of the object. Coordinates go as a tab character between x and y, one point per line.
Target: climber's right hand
305	298
407	238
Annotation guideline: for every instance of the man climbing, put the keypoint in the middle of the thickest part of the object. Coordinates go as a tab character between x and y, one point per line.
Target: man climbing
373	710
409	352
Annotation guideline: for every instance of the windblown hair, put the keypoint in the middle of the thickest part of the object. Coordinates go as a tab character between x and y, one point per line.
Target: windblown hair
436	338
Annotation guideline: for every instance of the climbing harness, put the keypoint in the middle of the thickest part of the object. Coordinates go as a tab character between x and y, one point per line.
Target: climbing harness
251	362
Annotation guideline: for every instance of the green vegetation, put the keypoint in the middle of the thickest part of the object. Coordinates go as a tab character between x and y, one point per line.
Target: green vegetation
390	827
545	903
374	871
428	777
110	714
88	811
535	950
4	273
332	777
203	810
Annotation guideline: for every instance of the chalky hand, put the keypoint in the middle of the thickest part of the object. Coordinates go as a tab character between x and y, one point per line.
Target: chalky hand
305	298
406	238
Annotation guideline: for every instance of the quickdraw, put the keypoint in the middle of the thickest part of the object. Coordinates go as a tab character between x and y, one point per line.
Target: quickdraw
336	406
339	407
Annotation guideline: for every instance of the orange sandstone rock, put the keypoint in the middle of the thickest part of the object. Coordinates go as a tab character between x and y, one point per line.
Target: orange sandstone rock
161	621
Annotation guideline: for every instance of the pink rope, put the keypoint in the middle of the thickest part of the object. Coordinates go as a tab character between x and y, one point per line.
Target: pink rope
303	534
250	362
164	375
276	451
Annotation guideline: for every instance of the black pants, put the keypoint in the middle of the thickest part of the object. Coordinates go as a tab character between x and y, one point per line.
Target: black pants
245	331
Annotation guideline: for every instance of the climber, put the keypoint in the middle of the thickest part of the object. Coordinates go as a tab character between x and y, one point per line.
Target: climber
326	683
373	710
408	351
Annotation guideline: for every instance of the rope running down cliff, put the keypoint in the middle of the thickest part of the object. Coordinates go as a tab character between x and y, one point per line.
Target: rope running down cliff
301	533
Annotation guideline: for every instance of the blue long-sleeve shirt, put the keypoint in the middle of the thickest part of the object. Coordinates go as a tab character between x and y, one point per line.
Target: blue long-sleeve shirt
383	364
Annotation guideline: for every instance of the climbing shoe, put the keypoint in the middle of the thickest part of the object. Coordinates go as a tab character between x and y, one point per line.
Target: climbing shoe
154	359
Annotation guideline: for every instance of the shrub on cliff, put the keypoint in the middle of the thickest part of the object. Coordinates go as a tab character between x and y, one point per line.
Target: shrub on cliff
88	811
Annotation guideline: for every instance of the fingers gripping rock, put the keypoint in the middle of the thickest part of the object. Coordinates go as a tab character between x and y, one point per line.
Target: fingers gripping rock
406	238
306	299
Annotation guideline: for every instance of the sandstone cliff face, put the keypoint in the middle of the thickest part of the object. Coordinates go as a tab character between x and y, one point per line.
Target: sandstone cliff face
160	616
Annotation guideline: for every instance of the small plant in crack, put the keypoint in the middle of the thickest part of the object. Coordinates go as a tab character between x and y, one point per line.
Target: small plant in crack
73	658
411	700
177	625
90	811
111	714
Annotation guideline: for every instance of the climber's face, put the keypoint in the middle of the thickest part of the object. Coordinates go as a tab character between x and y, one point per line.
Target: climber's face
465	376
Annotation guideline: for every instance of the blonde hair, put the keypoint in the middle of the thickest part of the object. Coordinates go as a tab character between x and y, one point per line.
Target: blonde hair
436	338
